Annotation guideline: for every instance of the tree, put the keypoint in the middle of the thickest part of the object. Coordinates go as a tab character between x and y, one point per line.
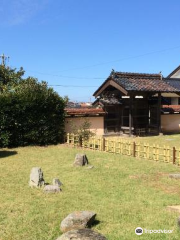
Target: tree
82	130
9	78
31	113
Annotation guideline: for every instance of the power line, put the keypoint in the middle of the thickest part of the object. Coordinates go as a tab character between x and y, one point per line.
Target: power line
99	64
73	86
56	75
62	76
123	59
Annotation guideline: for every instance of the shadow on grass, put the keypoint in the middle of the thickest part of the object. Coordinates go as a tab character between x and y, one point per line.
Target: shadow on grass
95	222
4	154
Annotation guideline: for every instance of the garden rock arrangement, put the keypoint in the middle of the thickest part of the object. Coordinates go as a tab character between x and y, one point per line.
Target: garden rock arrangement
36	177
80	160
56	182
82	234
77	220
176	175
51	189
37	180
74	227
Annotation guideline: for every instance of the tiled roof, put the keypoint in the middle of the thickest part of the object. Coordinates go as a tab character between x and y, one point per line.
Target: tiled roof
143	82
107	101
174	82
171	108
84	111
137	75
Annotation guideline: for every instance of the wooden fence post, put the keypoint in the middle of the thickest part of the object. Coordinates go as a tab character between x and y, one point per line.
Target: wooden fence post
73	140
174	155
68	138
82	142
134	149
103	144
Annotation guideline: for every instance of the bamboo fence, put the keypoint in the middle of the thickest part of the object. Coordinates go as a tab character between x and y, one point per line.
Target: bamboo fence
129	148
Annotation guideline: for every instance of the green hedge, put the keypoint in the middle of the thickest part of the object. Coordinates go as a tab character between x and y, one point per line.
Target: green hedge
31	114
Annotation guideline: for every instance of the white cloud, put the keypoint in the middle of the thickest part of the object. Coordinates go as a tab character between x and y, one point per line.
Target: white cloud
16	12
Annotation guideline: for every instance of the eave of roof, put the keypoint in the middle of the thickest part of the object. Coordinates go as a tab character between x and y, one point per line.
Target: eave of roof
94	94
84	112
107	101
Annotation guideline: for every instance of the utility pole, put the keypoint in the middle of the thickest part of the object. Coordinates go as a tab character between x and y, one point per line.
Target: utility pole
4	58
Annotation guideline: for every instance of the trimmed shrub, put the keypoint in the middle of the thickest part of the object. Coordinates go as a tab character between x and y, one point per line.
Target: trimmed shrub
31	114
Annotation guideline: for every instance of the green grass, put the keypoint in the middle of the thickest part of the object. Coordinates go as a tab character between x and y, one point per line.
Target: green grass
124	192
172	140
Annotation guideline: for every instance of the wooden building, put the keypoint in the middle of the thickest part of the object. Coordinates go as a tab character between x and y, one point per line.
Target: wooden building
133	101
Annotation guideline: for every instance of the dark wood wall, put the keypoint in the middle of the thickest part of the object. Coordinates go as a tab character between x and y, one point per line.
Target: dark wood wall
139	114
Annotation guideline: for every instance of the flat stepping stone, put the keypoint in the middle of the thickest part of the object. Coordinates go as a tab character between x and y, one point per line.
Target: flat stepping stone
176	175
51	189
82	234
77	220
175	208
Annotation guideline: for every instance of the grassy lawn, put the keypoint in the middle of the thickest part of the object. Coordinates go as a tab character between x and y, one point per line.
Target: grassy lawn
124	192
172	140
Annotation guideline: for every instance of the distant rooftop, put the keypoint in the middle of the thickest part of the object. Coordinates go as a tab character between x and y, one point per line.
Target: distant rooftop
171	109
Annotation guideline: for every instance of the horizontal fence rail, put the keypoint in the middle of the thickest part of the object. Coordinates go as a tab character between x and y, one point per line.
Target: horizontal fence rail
129	148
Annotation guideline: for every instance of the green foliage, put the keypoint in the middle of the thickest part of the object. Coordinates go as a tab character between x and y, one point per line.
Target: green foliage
66	100
30	113
83	130
9	78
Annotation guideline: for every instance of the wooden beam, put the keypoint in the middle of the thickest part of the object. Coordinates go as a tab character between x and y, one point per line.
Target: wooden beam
107	84
159	113
130	115
117	86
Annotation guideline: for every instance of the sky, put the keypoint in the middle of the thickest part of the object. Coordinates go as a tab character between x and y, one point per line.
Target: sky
76	43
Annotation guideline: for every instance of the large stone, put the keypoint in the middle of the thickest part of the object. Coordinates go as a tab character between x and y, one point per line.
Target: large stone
80	160
176	175
77	220
82	234
36	177
51	189
56	182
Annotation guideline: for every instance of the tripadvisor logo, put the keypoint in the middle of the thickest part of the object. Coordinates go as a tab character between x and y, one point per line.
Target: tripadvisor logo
139	231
